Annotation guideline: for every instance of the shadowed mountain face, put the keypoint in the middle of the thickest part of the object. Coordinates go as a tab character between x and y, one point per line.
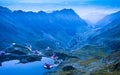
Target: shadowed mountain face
40	29
107	31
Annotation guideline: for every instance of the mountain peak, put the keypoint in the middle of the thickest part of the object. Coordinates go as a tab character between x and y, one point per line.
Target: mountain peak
4	9
65	11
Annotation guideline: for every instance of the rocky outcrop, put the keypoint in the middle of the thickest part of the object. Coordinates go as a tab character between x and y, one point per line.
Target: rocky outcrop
19	49
19	52
68	68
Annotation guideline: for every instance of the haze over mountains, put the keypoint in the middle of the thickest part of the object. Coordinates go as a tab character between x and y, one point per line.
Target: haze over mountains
62	29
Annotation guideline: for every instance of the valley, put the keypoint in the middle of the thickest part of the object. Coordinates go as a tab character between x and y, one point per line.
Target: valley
81	48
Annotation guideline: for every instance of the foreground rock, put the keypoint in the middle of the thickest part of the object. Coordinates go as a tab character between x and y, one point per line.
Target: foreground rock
68	68
19	49
19	52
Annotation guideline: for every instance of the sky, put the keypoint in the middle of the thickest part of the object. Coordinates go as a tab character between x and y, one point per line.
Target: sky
90	10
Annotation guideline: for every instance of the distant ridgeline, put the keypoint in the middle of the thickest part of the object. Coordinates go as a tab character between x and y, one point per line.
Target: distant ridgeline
62	29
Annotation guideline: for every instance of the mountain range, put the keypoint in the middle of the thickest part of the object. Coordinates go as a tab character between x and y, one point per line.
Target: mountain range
62	29
41	29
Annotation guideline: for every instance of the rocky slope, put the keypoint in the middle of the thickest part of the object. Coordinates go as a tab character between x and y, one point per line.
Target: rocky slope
107	32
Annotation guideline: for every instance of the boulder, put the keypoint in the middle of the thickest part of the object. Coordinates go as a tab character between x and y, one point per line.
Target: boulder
68	68
18	49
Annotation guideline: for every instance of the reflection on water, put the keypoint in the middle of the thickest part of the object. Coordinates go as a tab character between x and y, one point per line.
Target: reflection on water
34	68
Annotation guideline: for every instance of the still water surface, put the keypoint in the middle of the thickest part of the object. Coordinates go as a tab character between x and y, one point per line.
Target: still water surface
34	68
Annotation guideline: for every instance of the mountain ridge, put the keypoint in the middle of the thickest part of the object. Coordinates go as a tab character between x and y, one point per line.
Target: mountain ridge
61	25
108	34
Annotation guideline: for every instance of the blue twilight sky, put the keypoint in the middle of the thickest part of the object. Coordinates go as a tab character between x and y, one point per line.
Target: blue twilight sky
90	10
